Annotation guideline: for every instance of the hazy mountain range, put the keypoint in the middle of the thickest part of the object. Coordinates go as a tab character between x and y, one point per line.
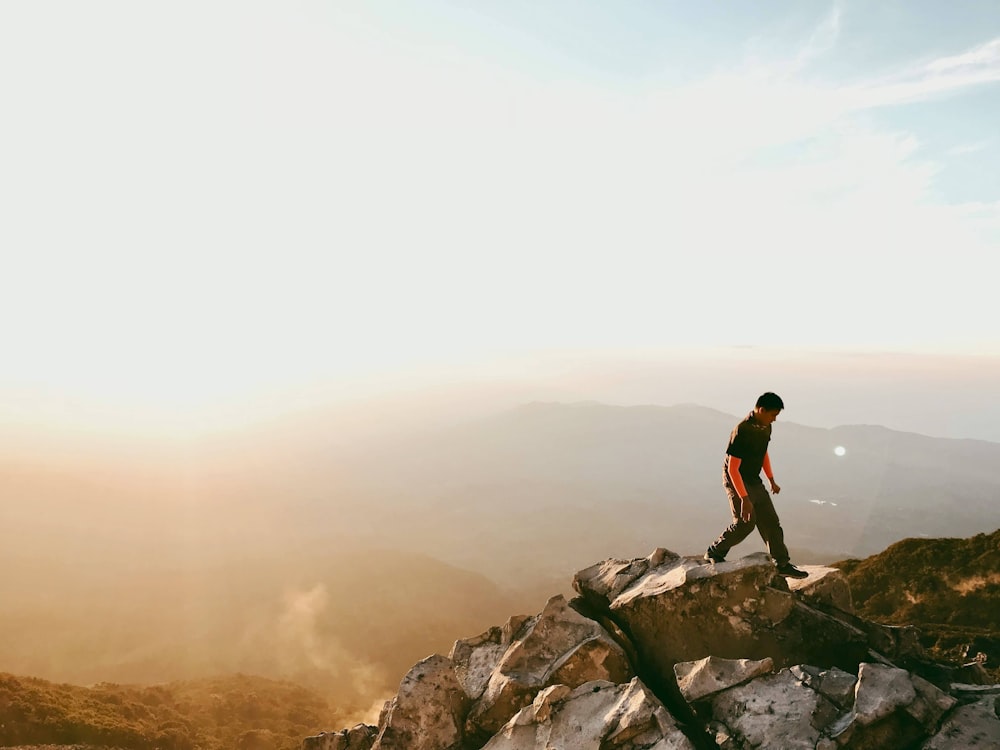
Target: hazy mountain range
141	563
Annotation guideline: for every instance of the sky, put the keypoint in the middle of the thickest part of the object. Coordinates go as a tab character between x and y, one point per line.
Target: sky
209	209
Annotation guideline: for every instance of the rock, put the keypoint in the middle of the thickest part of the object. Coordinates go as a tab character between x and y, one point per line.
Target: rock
776	711
698	679
476	658
603	582
824	586
685	610
567	677
963	690
806	707
428	712
558	646
594	716
880	691
975	726
835	685
359	737
892	708
931	704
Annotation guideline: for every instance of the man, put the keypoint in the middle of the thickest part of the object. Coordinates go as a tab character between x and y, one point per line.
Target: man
749	501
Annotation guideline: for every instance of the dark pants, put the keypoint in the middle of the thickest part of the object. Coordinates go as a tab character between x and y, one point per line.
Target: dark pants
763	517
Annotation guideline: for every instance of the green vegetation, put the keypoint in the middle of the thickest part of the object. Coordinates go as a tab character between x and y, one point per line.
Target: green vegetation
948	588
238	712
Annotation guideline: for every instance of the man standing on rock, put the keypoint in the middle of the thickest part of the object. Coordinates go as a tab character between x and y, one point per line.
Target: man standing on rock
749	501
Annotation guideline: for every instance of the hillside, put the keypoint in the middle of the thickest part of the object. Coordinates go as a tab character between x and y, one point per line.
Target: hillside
949	588
237	712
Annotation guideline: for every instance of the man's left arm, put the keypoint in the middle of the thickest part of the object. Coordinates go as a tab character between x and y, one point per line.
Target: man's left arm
770	474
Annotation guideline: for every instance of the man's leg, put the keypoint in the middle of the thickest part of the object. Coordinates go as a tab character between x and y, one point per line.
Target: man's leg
737	531
768	524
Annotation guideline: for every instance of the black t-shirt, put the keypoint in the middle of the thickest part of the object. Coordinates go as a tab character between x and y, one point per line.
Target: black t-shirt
748	442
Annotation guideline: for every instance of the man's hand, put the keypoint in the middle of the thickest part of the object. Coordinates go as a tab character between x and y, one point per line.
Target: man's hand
746	509
774	486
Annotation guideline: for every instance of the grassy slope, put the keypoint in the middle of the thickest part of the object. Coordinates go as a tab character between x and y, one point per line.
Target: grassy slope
948	588
236	711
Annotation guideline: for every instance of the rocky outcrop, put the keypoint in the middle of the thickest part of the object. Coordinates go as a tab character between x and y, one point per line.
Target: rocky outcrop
406	720
559	646
594	716
809	708
668	652
684	610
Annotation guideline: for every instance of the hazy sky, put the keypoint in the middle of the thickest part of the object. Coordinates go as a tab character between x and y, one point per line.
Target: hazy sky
215	202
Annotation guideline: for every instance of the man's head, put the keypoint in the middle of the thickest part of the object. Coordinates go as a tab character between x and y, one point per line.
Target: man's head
768	406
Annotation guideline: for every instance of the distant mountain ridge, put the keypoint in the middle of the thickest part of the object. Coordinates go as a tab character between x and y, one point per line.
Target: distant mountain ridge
626	478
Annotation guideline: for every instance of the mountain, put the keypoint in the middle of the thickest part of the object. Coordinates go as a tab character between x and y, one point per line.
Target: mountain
948	588
667	652
567	481
573	481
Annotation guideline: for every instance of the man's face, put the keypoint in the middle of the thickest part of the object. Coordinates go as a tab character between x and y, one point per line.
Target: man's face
766	416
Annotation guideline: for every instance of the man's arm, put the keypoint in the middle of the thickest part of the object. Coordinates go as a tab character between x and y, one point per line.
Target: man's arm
770	474
733	468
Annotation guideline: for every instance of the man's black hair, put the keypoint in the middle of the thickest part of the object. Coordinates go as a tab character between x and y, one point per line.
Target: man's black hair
770	401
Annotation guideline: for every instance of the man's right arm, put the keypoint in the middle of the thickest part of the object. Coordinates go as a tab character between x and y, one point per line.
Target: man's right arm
733	469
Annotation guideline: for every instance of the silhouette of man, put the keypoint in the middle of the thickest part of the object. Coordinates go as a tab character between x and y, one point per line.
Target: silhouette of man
749	501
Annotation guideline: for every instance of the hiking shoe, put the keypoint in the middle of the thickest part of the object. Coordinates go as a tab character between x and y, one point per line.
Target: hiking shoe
714	557
790	571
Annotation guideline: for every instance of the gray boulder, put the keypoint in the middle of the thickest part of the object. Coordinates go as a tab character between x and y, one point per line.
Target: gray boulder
892	708
680	609
775	711
805	707
836	685
557	646
698	679
428	712
975	726
595	716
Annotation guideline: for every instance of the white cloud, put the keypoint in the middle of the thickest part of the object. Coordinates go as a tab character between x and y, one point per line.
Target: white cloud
987	55
940	77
